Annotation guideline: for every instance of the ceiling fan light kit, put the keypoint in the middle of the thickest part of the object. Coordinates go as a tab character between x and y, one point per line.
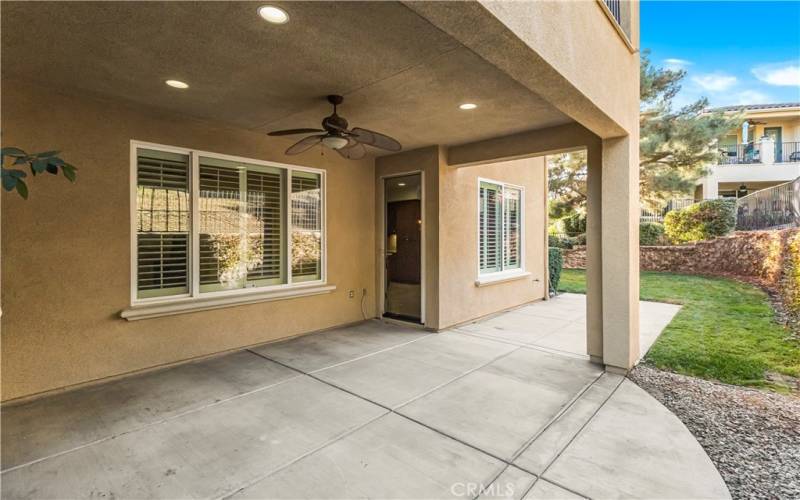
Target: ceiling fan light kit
335	135
335	142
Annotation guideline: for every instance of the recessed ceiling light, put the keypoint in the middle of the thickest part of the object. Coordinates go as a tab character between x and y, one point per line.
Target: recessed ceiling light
468	105
272	14
177	84
401	184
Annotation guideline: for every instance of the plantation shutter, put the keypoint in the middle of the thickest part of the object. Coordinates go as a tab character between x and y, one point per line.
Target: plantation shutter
264	206
162	224
511	228
306	226
490	243
219	220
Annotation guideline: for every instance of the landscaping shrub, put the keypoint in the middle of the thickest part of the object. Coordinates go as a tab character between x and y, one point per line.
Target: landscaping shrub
790	282
701	221
575	223
580	239
558	241
651	233
555	263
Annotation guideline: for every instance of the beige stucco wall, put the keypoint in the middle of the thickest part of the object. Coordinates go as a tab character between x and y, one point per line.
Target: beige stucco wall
458	240
790	128
66	250
580	42
427	161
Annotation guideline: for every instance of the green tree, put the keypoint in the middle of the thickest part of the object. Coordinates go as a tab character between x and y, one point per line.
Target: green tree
566	173
675	144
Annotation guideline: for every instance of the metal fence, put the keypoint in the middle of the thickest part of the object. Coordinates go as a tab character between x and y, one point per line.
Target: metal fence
770	208
657	215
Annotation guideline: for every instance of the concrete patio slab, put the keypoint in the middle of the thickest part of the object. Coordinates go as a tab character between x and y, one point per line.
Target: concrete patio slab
318	351
74	418
501	406
559	324
512	484
483	415
515	327
393	378
545	490
634	447
203	454
546	447
391	457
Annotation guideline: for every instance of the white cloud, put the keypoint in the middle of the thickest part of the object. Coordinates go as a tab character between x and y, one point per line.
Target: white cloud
715	82
752	97
787	73
675	63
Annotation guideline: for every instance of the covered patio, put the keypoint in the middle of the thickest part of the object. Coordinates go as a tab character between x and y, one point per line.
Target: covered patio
501	408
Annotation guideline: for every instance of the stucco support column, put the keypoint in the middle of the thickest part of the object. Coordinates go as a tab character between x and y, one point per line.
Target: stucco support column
710	187
594	254
620	252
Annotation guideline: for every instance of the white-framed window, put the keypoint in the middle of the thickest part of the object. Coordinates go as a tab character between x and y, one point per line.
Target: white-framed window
500	227
208	225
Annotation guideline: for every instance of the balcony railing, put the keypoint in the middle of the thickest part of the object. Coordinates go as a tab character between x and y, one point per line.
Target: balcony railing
770	208
615	6
738	154
787	152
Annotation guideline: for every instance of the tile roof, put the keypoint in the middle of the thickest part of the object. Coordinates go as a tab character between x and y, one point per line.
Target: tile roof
753	107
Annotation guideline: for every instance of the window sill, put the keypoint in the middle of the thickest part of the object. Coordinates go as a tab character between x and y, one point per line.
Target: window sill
181	306
503	277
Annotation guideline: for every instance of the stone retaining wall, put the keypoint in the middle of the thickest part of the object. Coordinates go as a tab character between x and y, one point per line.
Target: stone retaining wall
754	254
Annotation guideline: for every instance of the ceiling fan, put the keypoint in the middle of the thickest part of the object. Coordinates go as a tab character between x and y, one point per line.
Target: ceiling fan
348	143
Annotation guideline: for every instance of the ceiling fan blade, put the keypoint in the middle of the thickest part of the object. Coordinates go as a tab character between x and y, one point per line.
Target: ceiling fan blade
375	139
295	131
304	144
353	151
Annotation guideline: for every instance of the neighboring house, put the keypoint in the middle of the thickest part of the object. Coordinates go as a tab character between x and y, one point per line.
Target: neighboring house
763	152
190	232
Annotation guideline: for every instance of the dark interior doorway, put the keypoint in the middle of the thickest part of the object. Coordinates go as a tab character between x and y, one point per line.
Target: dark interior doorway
403	262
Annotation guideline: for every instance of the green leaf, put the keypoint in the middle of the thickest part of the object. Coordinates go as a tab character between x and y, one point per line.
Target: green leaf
69	172
9	181
15	173
22	189
14	152
21	160
39	165
52	169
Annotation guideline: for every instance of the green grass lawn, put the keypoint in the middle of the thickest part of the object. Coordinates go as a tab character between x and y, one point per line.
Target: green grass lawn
726	330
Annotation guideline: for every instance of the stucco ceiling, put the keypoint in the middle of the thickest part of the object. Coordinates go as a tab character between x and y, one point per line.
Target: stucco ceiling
398	73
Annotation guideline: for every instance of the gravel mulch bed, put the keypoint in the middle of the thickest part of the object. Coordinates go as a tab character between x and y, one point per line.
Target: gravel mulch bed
752	436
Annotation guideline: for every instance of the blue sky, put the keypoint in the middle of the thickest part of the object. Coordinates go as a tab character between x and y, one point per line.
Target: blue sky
734	52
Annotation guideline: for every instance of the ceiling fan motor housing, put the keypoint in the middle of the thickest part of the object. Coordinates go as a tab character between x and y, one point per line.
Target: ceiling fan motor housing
334	124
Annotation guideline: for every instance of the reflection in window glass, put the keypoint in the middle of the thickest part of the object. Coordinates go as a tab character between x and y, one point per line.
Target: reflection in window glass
499	227
240	225
489	227
511	221
306	226
162	224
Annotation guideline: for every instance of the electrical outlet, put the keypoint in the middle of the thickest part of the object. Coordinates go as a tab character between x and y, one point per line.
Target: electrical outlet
351	294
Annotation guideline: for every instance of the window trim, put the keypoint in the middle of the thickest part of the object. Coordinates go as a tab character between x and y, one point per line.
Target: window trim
224	297
503	274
